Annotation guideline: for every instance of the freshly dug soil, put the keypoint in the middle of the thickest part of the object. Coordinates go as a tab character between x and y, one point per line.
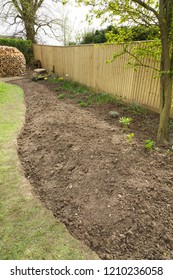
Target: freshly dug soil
114	195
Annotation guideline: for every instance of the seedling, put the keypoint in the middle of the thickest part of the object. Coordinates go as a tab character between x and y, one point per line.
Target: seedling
114	114
61	96
120	102
82	103
149	144
125	121
53	80
34	79
136	109
130	137
61	79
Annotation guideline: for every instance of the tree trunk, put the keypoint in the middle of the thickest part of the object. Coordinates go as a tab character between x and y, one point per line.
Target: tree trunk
165	11
165	107
165	92
30	31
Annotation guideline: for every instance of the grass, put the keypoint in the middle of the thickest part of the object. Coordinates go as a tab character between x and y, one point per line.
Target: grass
136	109
87	96
28	230
101	98
82	103
73	87
96	98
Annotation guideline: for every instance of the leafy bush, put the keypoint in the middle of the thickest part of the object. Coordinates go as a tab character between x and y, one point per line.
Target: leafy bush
138	33
24	46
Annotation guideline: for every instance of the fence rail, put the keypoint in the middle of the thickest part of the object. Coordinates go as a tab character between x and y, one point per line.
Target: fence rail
87	65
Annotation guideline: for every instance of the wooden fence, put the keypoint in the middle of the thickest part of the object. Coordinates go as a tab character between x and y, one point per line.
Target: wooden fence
87	65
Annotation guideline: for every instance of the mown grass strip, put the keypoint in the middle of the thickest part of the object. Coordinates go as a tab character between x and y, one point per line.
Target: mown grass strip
27	229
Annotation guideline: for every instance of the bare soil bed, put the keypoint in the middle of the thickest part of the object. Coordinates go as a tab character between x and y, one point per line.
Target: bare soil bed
114	195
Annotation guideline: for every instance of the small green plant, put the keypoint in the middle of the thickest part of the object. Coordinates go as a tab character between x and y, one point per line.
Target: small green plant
61	96
125	121
149	144
170	123
114	114
74	87
71	96
82	103
34	79
52	79
169	151
120	102
101	98
61	79
130	136
136	109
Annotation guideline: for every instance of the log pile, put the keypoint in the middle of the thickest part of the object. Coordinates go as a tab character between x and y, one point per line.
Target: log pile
12	62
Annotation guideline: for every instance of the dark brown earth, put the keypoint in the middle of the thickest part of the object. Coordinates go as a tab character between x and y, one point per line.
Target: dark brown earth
114	195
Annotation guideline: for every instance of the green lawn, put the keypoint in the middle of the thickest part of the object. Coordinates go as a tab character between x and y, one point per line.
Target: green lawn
27	229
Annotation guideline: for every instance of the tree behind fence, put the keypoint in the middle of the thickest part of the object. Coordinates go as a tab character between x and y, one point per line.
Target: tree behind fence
87	65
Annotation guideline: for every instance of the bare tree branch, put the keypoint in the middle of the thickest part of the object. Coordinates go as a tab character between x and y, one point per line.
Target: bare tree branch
35	15
147	7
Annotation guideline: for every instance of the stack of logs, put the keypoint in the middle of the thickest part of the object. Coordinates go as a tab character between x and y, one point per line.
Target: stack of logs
12	62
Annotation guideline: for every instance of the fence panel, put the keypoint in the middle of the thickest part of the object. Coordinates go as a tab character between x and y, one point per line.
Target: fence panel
87	65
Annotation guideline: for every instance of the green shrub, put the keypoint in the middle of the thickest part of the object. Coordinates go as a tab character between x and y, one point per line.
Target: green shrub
24	46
